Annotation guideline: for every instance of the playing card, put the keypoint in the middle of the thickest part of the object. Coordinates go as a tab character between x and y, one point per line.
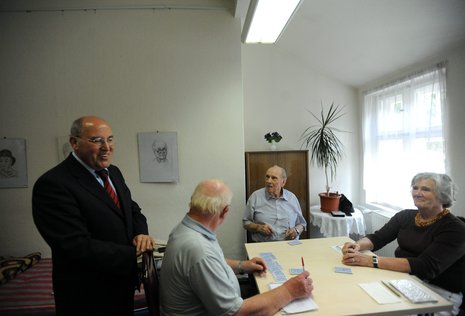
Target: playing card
295	271
343	270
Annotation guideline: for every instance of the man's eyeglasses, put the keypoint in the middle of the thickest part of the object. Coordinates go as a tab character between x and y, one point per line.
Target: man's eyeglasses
100	140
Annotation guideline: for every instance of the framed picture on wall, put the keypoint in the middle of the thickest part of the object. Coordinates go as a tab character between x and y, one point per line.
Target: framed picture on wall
64	147
13	163
158	157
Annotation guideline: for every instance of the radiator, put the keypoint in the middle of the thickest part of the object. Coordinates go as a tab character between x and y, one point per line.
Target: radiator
378	219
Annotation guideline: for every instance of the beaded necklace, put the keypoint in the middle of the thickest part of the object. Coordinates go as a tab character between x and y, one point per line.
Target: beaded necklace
423	223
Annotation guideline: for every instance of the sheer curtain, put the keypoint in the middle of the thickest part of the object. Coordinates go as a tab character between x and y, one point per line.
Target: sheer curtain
403	135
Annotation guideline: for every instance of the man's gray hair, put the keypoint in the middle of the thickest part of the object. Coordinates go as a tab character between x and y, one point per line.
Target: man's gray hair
76	127
283	171
210	197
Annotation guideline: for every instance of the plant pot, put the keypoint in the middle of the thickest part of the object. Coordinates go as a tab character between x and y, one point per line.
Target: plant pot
329	202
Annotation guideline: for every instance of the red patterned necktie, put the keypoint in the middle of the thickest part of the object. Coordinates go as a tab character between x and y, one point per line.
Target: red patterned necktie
103	174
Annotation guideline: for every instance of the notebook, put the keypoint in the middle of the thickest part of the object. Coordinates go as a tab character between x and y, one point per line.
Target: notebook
297	306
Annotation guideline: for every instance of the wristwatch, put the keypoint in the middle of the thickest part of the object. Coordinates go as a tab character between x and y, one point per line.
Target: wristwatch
239	267
375	261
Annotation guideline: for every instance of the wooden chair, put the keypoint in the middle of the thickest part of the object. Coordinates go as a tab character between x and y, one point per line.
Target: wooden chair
248	237
149	277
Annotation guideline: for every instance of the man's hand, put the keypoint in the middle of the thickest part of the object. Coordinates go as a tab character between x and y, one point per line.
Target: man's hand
143	243
300	286
253	265
291	233
265	229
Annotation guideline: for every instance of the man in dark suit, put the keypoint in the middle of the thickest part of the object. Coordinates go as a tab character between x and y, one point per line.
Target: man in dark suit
94	242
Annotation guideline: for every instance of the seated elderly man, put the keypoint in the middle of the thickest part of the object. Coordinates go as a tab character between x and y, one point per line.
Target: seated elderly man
273	213
196	279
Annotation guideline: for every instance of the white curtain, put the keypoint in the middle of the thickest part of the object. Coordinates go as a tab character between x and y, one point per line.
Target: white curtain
403	135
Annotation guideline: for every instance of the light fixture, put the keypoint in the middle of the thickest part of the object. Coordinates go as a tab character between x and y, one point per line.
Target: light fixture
267	19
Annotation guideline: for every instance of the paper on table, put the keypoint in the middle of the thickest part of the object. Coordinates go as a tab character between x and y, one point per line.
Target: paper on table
380	293
337	248
297	306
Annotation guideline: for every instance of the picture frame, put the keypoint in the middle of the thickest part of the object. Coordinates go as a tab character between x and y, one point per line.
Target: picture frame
158	157
13	163
63	147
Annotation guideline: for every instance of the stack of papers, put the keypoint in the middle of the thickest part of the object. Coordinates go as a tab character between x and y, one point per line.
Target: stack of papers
391	291
297	306
380	293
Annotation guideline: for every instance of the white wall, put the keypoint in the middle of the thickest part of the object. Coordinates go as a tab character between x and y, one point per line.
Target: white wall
142	70
279	92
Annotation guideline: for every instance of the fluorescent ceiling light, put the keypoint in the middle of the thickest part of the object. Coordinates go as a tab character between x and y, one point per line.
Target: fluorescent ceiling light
267	19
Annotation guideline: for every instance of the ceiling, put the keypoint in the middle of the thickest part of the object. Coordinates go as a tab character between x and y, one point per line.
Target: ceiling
354	41
358	41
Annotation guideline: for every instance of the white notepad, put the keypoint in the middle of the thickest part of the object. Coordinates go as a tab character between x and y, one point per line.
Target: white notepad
297	306
380	293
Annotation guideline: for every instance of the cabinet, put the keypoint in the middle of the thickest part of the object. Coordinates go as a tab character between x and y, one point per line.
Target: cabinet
296	164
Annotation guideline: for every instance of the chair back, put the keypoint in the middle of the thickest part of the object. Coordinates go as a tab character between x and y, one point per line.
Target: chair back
150	280
249	237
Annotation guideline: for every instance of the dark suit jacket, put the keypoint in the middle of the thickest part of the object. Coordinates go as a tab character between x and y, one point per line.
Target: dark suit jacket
94	261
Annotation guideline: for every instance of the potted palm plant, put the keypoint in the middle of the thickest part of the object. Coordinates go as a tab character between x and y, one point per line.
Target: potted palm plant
326	151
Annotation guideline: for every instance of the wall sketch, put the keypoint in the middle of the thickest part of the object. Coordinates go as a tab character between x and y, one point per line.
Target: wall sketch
158	157
13	163
64	147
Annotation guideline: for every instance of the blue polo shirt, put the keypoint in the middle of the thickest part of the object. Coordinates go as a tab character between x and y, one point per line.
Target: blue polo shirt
195	278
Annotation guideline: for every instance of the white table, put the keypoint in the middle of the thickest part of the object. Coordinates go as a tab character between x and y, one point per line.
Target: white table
331	226
337	294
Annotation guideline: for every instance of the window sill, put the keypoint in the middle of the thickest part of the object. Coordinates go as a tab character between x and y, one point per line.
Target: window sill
384	209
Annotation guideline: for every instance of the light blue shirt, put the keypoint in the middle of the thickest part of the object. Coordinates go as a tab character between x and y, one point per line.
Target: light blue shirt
195	278
281	213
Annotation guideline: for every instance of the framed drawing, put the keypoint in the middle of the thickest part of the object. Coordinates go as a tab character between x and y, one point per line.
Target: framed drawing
64	147
158	157
13	163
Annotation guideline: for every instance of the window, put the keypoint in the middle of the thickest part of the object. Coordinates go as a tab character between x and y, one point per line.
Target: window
403	135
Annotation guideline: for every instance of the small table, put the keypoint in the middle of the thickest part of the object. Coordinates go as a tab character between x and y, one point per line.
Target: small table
331	226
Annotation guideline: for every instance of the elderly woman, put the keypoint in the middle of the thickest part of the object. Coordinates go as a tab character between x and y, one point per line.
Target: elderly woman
431	240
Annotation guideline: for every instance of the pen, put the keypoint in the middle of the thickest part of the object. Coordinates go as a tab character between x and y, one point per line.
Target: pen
303	264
